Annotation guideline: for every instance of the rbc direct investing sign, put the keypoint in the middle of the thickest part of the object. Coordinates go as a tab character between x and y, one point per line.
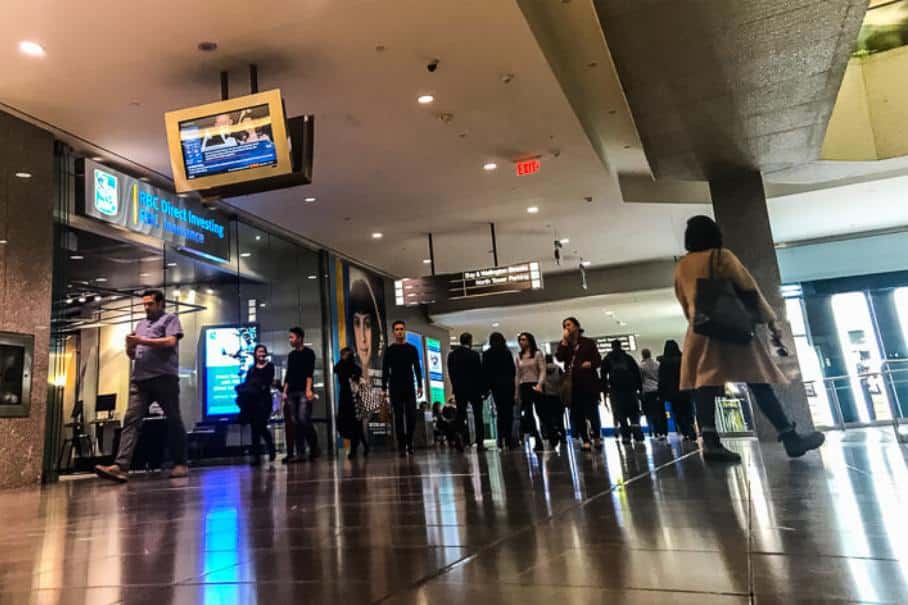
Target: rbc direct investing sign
116	198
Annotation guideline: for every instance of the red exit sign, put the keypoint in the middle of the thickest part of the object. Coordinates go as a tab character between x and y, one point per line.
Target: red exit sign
525	167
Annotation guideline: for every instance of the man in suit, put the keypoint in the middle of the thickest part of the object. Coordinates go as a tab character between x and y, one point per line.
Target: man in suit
465	370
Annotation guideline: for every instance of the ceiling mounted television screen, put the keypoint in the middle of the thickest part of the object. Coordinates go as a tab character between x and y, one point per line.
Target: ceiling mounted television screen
228	142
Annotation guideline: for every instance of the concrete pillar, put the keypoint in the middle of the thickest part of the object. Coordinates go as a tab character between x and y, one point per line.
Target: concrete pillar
739	203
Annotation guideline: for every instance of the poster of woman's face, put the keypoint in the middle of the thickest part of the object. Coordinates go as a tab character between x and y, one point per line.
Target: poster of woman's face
366	318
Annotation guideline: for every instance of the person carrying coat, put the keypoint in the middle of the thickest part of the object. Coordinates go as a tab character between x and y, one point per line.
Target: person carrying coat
709	363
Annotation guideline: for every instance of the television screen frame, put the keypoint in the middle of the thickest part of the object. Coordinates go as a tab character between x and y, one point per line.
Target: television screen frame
275	103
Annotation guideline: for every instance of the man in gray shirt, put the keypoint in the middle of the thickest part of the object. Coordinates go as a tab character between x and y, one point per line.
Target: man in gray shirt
153	347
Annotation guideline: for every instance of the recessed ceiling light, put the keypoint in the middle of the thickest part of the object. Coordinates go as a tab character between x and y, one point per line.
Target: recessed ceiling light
69	301
496	324
32	49
489	166
377	235
313	277
100	280
3	242
23	175
82	299
309	200
245	254
171	265
587	263
97	298
533	209
427	261
565	241
425	99
258	238
610	313
76	257
263	305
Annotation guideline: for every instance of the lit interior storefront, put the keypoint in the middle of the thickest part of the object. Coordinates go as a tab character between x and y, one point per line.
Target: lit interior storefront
232	282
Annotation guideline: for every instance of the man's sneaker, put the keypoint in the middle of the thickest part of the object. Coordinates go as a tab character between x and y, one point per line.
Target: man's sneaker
180	471
112	473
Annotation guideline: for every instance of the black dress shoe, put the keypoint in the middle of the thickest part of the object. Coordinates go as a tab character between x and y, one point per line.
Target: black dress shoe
714	451
796	445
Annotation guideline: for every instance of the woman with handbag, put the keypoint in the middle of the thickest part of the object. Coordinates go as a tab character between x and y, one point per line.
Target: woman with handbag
580	385
722	303
349	419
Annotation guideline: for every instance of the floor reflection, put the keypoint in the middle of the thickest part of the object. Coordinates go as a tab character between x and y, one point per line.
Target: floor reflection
647	523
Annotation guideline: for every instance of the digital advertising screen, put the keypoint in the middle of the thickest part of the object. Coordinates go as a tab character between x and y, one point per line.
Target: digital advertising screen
435	371
415	339
227	355
228	142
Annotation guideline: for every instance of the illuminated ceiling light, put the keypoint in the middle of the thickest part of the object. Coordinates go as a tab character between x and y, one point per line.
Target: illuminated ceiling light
100	280
496	324
425	99
245	254
171	265
565	241
82	299
427	261
209	291
263	305
97	298
313	277
610	313
309	200
69	301
97	158
377	235
258	238
533	209
76	257
23	175
587	263
3	242
144	274
32	49
489	166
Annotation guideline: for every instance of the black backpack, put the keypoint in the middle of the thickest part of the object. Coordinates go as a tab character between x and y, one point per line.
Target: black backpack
622	374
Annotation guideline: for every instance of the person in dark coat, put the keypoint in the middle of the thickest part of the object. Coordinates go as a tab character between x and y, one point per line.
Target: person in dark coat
669	390
467	381
257	388
500	376
349	424
622	383
581	360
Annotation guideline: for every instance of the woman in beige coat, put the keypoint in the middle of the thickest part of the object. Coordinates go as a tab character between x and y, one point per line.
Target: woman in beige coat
709	363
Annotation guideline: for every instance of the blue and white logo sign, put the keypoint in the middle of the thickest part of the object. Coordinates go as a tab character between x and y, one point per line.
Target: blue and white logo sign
106	193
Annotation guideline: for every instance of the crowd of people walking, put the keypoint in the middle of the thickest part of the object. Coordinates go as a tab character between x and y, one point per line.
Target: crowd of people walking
530	392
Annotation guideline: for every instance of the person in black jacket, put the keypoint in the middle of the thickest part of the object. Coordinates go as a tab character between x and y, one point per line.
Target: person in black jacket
401	370
501	378
258	387
349	423
669	381
465	370
622	382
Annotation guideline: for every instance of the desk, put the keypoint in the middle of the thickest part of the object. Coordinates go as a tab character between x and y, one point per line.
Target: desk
99	426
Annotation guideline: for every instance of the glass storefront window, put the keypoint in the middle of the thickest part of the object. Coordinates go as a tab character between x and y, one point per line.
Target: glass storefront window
857	338
811	370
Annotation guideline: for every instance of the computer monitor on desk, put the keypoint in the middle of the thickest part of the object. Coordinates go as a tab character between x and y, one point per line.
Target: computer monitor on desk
106	403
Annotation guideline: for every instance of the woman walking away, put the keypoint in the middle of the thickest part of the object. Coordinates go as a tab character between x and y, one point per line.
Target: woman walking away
710	362
669	380
257	385
530	379
500	374
349	422
581	360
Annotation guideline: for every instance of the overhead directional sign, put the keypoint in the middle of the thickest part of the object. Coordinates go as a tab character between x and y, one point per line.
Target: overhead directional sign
520	277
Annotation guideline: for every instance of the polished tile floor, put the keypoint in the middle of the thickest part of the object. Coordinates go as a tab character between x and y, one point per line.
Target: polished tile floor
648	524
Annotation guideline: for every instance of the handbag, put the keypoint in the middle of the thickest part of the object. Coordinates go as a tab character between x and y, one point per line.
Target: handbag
719	311
366	399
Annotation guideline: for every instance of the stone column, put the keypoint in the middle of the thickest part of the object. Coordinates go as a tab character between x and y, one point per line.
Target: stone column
739	203
26	259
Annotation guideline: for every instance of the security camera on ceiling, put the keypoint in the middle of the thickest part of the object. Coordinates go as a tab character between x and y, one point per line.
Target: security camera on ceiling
432	66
